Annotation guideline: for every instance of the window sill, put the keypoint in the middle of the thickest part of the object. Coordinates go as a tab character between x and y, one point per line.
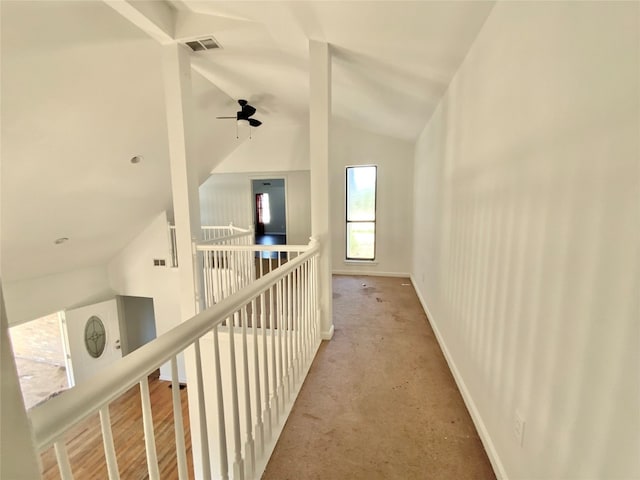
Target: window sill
360	262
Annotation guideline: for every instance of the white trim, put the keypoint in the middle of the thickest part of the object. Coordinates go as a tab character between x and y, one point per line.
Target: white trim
487	442
367	273
327	335
360	262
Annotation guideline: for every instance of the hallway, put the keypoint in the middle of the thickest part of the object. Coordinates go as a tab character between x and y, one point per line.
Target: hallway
379	401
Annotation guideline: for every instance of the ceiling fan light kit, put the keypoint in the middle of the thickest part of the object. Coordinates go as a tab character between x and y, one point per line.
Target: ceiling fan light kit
242	117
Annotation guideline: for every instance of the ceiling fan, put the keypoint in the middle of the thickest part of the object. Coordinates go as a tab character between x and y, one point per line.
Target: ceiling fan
243	116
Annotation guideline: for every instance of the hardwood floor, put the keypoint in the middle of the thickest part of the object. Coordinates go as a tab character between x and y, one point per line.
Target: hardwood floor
84	442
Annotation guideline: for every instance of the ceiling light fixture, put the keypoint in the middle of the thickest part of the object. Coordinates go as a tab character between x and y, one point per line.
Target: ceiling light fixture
61	240
136	159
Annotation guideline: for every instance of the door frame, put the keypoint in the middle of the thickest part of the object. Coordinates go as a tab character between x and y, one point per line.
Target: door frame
64	336
252	196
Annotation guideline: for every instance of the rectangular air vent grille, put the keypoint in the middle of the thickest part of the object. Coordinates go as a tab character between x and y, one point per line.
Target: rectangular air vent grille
201	44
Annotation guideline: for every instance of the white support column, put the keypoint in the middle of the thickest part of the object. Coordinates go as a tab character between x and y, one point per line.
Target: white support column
20	461
186	209
319	130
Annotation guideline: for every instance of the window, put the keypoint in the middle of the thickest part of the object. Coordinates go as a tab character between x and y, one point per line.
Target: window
263	212
361	213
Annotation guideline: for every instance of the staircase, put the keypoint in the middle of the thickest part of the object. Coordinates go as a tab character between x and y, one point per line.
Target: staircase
247	351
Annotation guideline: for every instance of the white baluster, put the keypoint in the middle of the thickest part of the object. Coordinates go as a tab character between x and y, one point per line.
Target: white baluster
287	338
307	266
259	434
63	460
206	270
294	326
181	453
316	300
222	429
202	414
107	440
149	436
281	333
272	324
238	464
266	413
303	323
299	320
216	278
249	449
235	268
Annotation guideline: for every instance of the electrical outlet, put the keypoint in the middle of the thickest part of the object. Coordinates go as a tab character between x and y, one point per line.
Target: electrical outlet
518	428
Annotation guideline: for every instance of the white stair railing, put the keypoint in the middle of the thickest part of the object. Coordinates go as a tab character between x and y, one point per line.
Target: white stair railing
252	352
228	268
211	234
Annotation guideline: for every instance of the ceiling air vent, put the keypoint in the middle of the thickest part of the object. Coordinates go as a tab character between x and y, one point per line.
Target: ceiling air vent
200	44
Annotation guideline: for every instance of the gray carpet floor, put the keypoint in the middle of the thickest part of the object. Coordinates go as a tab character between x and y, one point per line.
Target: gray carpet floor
379	401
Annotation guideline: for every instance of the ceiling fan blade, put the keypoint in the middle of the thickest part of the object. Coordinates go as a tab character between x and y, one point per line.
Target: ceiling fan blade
248	110
254	123
225	117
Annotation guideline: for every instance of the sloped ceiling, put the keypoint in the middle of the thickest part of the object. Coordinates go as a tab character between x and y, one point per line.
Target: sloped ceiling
82	93
392	60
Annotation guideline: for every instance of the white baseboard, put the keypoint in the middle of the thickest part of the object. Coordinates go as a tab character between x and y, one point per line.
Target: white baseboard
369	273
327	335
489	447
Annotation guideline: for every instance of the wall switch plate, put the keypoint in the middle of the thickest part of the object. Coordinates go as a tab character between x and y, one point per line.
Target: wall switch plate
518	428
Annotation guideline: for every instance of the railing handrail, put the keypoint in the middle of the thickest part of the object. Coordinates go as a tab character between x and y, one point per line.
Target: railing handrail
226	237
52	419
231	226
216	227
206	247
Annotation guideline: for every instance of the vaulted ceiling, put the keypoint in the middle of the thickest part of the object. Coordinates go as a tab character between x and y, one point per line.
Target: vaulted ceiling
392	60
82	93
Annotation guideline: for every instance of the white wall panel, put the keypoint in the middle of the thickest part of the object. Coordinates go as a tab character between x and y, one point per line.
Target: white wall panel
226	198
353	146
526	236
133	273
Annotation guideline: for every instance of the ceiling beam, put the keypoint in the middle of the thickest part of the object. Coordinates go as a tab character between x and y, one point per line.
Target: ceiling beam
155	18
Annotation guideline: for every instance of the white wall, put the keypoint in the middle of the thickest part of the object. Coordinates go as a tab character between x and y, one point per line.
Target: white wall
30	299
352	146
526	236
226	198
273	148
132	273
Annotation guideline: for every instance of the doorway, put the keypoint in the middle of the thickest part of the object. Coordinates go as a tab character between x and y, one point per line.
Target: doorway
40	354
94	339
269	211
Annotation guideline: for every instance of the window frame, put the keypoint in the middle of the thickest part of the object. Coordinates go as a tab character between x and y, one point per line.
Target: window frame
346	215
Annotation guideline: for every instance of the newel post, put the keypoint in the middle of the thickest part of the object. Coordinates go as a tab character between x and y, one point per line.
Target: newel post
319	131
